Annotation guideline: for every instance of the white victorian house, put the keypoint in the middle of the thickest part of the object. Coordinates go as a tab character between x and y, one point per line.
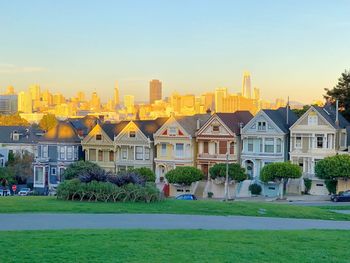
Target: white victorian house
318	133
265	140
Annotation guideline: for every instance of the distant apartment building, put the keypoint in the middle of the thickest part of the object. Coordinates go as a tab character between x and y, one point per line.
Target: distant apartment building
155	90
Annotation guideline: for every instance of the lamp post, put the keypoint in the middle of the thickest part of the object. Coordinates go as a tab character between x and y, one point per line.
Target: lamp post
226	180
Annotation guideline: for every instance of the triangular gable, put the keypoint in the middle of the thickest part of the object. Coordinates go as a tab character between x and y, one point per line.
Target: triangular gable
207	130
91	137
171	122
306	114
261	114
124	133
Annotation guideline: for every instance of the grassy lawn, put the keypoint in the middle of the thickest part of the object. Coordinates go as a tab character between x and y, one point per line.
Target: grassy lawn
174	246
17	204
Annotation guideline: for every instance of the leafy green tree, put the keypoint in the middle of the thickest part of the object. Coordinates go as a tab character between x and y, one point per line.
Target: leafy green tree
79	168
184	175
6	176
278	172
235	171
300	112
21	166
341	92
145	173
333	167
48	122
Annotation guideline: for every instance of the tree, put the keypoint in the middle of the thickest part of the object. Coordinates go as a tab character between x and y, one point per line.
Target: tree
48	122
235	171
184	175
81	168
341	92
333	167
278	172
21	166
13	120
145	173
6	176
300	112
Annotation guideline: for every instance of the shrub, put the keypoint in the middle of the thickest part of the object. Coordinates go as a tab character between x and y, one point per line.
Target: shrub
255	189
333	167
235	171
307	183
210	194
184	175
127	178
146	173
81	168
331	185
279	171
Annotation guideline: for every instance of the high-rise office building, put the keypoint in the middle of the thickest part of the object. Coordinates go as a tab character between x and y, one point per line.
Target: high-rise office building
95	103
116	94
35	92
220	96
129	103
8	104
256	94
25	103
246	86
155	90
10	90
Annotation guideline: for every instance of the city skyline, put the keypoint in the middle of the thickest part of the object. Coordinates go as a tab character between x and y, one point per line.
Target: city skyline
91	47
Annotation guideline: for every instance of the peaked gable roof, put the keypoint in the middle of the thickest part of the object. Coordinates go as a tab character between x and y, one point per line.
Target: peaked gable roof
84	125
329	113
189	123
279	117
113	129
62	132
27	134
234	120
149	127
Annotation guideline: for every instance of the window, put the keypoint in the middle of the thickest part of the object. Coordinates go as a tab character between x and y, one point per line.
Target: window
172	131
124	153
53	170
62	152
206	147
312	119
132	134
260	145
179	150
92	155
216	128
44	151
100	156
319	141
261	126
222	147
69	152
98	137
250	145
111	156
298	142
269	145
39	175
147	154
163	150
75	153
279	145
139	153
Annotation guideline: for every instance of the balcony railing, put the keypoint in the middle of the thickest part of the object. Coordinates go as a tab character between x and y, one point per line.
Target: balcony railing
215	156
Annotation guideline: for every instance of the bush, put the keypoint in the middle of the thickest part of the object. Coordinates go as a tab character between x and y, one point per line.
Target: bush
106	192
81	168
333	167
255	189
331	185
279	171
307	183
210	194
184	175
145	173
235	171
127	178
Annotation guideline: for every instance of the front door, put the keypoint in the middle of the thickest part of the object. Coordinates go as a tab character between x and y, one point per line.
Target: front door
205	170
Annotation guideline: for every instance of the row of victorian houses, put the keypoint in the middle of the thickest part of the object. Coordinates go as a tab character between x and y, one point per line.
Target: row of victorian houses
200	140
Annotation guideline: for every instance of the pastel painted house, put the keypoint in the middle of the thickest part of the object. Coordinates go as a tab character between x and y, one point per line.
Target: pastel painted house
319	133
176	145
56	150
218	139
266	140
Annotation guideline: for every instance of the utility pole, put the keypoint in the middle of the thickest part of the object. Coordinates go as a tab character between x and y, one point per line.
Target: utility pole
226	180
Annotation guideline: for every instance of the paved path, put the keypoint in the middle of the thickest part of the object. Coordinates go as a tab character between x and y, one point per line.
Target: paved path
159	221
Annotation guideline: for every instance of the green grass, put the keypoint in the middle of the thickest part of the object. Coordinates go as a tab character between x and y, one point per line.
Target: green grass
19	204
174	246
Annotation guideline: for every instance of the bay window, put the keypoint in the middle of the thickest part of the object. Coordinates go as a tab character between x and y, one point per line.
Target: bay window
269	145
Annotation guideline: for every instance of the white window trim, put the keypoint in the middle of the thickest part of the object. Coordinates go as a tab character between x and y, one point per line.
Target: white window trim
301	142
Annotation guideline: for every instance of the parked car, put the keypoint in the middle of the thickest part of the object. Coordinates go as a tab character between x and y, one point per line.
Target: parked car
5	192
186	197
342	197
24	192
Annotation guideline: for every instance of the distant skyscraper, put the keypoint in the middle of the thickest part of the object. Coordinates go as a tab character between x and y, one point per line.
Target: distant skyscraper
35	92
129	103
116	94
220	96
25	103
95	103
155	90
8	104
10	90
246	86
256	94
81	96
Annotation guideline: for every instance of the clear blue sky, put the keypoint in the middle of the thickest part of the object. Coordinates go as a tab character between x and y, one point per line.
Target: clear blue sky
294	48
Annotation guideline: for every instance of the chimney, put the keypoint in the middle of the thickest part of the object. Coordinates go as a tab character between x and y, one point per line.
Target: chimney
198	124
337	113
287	112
